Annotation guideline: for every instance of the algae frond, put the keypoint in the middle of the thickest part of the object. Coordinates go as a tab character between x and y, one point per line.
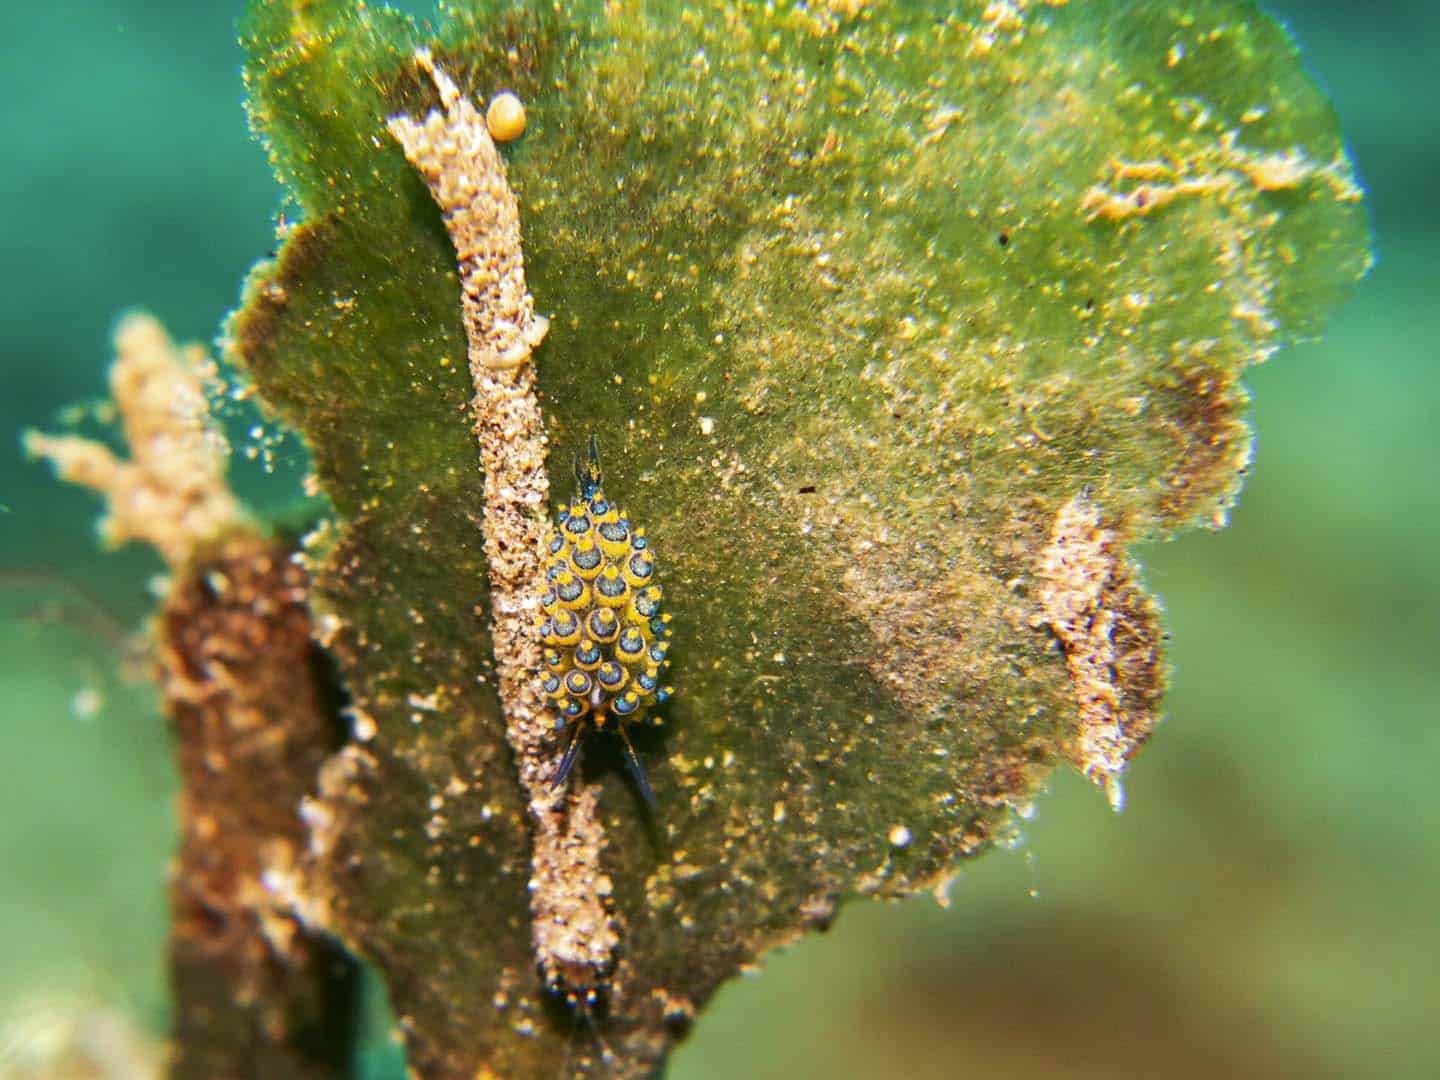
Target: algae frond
900	322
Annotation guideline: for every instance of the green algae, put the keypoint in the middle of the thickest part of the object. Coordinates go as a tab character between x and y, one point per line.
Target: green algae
857	303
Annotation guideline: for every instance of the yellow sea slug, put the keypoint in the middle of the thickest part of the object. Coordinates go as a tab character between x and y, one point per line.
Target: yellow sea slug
606	641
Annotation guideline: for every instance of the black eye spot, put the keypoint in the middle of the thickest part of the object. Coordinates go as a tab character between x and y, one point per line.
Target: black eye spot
807	489
1004	239
1090	304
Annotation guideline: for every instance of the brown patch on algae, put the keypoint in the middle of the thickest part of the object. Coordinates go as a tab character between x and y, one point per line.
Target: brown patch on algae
172	492
1110	632
933	625
573	931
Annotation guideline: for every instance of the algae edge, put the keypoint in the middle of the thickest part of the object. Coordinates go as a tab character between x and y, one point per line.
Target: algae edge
861	655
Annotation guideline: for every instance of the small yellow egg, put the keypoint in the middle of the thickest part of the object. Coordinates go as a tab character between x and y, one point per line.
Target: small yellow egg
505	117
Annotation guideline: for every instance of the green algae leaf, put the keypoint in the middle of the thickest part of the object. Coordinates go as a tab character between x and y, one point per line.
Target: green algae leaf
897	324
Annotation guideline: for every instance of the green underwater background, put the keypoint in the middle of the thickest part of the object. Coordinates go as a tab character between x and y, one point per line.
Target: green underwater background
1264	906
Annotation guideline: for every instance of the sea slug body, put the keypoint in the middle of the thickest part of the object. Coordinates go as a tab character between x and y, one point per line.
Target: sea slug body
606	640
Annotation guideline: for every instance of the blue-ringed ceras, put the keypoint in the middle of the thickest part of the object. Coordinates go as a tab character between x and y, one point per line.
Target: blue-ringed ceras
605	638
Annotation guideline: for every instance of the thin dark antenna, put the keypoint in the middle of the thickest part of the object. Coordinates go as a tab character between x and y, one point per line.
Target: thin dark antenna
587	472
572	754
637	768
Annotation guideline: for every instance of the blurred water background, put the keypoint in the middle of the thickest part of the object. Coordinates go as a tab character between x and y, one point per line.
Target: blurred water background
1267	906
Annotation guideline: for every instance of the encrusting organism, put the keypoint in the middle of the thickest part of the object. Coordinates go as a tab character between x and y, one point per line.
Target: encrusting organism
1089	596
606	640
172	493
575	932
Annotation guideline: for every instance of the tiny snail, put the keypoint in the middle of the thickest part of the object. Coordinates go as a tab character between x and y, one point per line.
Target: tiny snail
505	117
606	642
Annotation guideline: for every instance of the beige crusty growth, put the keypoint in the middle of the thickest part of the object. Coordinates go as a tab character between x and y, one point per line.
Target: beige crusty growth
172	492
1089	596
574	932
